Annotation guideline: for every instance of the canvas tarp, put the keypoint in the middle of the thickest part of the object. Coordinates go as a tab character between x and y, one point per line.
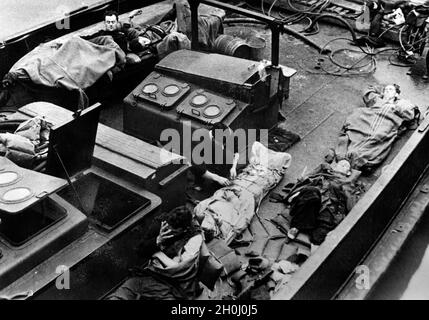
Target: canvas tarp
75	65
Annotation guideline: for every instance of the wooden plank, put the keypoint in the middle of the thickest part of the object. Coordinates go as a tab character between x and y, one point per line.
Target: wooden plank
134	167
133	148
51	112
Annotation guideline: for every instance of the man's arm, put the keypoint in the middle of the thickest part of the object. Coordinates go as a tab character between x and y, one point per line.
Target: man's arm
94	35
233	171
371	95
191	248
201	171
131	33
215	177
165	260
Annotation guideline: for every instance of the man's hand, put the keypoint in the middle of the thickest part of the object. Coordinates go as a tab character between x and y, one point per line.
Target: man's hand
165	233
222	181
217	178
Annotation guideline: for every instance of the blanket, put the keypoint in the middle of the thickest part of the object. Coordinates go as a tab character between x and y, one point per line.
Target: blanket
75	65
229	211
369	132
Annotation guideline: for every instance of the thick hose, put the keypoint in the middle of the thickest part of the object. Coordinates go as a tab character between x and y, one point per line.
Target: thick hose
333	16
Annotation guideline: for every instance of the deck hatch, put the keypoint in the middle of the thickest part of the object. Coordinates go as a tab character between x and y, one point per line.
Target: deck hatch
19	229
104	202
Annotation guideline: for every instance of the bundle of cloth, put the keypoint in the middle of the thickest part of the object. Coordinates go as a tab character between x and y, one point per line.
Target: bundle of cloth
369	132
229	211
28	145
318	202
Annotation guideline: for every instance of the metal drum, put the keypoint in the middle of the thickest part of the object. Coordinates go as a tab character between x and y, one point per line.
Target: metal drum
257	46
232	46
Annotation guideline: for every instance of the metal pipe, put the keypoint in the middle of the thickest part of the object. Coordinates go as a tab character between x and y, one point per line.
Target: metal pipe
245	12
194	24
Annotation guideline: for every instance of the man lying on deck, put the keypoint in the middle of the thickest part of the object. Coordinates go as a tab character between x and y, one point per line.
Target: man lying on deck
173	244
368	133
174	31
121	34
64	71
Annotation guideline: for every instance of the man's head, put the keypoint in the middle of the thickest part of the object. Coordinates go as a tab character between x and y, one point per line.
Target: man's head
111	20
179	219
342	166
391	91
140	44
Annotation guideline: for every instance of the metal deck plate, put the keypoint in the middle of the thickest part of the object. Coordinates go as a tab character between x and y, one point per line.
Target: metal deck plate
206	107
161	90
213	66
29	188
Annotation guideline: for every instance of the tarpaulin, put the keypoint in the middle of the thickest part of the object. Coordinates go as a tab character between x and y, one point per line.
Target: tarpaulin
75	65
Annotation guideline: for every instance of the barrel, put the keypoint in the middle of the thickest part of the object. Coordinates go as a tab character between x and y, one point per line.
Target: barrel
256	46
232	46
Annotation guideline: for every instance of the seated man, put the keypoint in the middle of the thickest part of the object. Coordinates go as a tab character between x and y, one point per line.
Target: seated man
173	243
215	174
369	133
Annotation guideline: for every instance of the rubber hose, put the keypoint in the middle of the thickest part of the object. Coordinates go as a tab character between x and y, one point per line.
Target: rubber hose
333	16
305	39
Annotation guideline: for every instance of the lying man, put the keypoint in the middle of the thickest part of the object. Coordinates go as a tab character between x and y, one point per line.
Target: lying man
173	243
121	34
369	133
174	31
230	209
